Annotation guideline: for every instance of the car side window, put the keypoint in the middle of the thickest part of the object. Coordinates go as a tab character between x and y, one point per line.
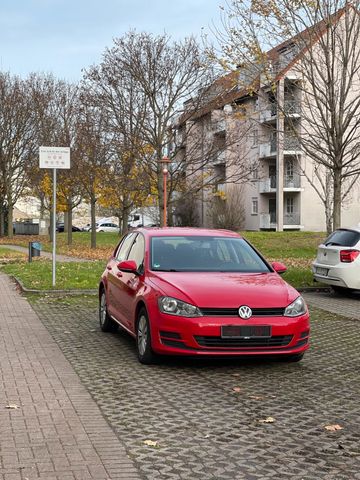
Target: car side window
137	250
124	247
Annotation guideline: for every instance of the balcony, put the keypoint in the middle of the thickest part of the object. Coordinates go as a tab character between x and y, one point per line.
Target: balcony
219	158
218	126
292	182
290	221
267	149
268	185
292	145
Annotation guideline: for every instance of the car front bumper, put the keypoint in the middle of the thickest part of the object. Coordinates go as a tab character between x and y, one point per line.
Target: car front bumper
173	335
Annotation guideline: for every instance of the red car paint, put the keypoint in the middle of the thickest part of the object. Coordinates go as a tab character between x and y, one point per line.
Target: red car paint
210	291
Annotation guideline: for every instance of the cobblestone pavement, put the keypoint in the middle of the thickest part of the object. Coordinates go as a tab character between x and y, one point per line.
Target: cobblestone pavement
206	417
343	304
50	427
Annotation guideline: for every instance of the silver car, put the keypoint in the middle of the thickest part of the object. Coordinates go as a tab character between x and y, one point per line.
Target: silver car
338	260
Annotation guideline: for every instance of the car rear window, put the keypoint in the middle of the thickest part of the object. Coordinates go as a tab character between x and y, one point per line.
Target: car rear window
343	238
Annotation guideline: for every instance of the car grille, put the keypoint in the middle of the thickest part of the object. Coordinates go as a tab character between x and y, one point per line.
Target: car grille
219	342
234	312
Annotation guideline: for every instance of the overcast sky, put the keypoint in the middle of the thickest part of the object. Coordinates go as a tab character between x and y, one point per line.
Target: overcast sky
64	36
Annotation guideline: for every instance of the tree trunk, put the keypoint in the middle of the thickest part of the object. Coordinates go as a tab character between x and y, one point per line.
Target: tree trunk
337	199
69	223
66	221
93	221
10	221
2	221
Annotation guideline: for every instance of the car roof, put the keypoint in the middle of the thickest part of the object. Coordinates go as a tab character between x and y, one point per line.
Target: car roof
356	228
185	231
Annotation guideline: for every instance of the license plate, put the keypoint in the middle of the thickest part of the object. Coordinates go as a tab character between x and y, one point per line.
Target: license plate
247	331
322	271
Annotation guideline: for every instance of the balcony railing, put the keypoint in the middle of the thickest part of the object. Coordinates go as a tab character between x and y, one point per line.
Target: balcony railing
218	126
268	220
291	143
291	218
292	181
292	107
268	185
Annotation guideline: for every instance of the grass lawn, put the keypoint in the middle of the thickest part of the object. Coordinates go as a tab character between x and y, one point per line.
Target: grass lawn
296	250
7	255
38	274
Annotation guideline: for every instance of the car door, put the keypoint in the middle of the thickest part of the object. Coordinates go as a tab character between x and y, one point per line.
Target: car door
129	284
114	275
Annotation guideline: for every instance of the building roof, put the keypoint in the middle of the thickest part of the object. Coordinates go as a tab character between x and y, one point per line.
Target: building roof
229	84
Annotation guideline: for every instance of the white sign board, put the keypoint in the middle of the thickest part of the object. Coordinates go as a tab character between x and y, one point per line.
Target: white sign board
54	157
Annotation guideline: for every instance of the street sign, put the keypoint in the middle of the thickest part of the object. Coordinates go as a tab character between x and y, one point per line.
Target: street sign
54	157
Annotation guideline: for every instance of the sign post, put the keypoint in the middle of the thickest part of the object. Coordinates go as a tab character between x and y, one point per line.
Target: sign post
54	158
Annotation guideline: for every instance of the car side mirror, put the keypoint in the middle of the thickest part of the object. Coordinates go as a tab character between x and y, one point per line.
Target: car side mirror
279	267
128	266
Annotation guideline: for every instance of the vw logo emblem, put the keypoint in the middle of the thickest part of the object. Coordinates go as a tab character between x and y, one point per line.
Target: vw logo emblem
245	312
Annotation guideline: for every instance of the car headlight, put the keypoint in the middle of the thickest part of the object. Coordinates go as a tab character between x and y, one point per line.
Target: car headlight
173	306
296	308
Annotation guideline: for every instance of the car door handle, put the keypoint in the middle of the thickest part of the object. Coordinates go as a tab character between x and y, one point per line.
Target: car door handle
109	267
119	274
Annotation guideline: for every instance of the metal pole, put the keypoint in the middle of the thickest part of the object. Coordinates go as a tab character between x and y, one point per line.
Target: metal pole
165	194
54	231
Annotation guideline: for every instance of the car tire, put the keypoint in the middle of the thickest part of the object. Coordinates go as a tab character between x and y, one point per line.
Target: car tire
296	357
143	339
341	290
107	324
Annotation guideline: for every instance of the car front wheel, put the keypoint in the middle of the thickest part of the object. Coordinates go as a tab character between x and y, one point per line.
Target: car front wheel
107	324
143	339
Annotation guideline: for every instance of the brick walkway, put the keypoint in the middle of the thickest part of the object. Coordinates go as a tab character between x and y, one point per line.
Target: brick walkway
56	431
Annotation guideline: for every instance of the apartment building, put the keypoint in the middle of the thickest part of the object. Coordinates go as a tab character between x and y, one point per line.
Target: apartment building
259	131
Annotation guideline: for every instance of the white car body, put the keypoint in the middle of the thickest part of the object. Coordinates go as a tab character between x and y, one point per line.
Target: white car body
107	227
338	259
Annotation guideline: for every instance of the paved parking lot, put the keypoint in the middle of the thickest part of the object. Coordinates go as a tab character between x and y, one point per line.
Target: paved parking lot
343	304
223	420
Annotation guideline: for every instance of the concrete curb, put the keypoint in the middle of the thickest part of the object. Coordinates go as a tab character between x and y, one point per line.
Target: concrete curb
53	292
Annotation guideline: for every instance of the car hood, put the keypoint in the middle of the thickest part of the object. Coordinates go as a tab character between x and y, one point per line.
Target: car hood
227	290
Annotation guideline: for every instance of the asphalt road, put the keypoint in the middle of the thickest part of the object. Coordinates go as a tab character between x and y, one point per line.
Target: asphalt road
223	420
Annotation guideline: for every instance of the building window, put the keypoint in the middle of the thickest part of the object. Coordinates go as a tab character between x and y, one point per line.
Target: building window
254	137
289	172
254	206
290	205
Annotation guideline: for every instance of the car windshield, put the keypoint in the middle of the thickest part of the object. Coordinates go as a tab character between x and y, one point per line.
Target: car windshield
205	254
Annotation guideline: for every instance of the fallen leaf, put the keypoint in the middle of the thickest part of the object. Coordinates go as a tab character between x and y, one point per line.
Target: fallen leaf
237	389
267	420
236	374
12	406
256	397
150	443
333	428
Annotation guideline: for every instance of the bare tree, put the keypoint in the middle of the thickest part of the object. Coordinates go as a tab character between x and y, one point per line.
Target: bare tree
165	73
228	210
16	139
123	105
318	41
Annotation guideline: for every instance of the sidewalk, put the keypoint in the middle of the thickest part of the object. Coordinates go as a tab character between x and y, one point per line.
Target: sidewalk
59	258
53	429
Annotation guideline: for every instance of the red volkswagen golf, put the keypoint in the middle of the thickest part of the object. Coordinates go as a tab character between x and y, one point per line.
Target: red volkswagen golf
190	291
